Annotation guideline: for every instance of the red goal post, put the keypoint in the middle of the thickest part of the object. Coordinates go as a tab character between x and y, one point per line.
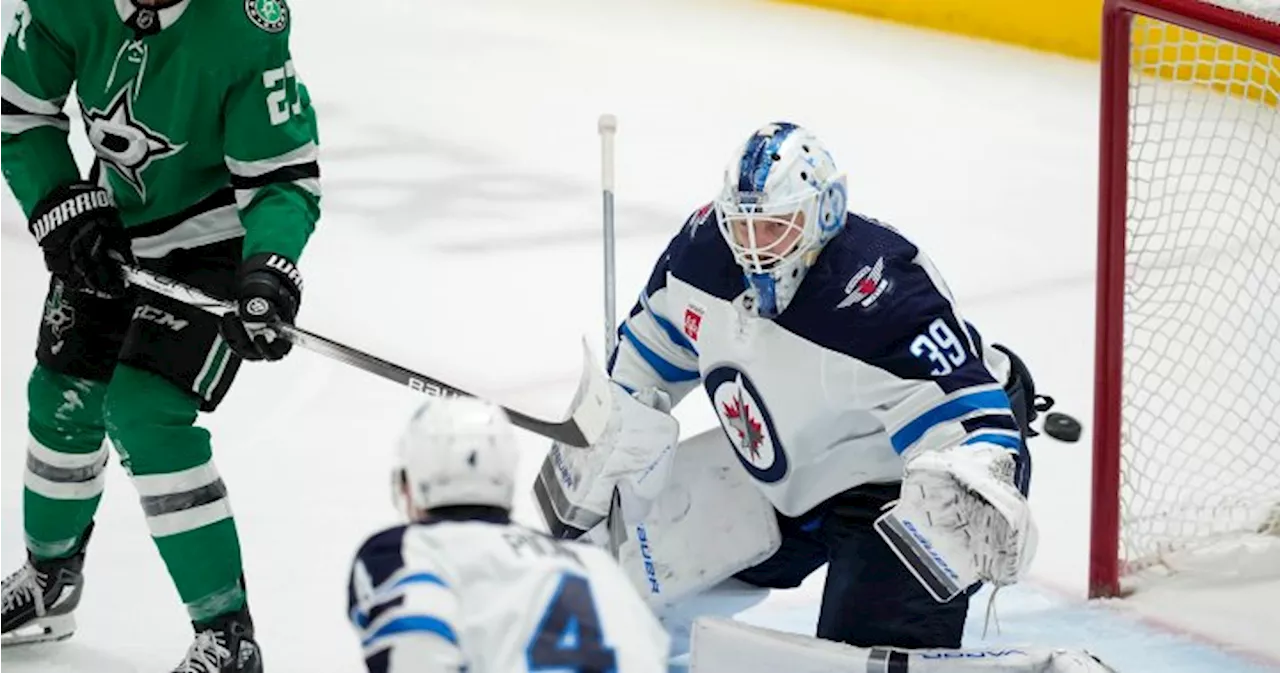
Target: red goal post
1189	148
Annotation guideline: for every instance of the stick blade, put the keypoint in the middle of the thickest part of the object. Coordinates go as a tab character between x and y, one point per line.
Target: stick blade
593	401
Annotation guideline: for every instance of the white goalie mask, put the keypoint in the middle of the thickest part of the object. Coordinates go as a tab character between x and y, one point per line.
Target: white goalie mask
455	451
782	200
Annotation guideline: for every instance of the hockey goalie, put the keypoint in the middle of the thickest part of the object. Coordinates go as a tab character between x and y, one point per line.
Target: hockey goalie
865	425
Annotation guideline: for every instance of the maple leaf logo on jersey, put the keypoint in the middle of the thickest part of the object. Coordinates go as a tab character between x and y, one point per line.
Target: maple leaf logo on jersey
866	286
747	423
124	143
739	418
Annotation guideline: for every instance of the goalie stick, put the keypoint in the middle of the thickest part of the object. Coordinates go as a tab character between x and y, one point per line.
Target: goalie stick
581	428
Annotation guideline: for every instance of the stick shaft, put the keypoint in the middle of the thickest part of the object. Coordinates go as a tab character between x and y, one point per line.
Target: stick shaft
569	431
608	126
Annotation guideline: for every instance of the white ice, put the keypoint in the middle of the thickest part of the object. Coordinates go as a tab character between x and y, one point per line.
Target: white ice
460	237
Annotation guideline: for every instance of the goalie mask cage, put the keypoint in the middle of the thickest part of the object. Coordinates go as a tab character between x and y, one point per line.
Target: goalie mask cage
1187	362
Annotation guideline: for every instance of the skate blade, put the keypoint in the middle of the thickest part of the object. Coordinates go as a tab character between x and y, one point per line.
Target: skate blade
40	630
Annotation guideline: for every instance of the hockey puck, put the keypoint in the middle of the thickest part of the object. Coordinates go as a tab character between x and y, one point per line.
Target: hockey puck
1062	427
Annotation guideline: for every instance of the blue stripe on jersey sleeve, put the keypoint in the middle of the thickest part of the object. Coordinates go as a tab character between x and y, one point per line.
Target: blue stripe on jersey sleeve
381	602
413	624
669	372
677	337
947	411
420	578
1007	441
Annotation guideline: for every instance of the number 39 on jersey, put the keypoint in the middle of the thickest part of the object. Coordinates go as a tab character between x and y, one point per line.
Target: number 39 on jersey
940	346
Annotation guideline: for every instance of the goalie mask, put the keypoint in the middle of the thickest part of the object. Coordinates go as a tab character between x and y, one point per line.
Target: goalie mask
782	200
456	451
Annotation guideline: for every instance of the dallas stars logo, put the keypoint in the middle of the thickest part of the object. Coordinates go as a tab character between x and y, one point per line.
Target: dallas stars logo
124	143
739	418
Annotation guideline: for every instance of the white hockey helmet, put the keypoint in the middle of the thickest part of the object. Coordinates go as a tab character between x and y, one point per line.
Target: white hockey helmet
455	451
782	200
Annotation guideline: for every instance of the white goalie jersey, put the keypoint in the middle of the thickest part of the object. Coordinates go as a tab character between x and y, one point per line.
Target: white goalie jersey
871	361
486	596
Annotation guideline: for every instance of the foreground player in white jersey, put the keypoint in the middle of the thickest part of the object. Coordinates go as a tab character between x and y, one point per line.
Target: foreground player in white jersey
462	588
847	385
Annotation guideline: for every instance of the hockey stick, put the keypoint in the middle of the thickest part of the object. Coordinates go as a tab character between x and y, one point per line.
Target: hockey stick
608	126
563	518
583	426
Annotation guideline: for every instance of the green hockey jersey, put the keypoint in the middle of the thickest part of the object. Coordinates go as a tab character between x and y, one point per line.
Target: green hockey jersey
201	129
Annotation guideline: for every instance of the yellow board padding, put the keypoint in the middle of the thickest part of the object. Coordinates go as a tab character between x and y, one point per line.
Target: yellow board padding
1074	28
1173	52
1071	27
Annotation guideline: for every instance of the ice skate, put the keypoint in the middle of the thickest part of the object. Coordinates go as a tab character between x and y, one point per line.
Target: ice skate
39	599
225	645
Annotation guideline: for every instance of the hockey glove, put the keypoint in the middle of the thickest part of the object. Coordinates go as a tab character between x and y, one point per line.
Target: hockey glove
633	454
960	519
268	293
81	233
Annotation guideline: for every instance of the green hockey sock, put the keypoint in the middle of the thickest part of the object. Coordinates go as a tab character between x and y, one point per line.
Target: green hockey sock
63	479
151	422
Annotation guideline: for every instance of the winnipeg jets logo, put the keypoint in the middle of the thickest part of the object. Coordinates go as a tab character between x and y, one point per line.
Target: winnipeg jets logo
747	423
866	286
738	417
124	143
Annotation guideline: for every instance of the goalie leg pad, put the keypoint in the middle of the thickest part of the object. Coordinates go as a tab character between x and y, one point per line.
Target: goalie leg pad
707	524
725	645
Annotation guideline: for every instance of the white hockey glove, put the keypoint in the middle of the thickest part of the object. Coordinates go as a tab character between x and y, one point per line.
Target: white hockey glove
633	455
961	519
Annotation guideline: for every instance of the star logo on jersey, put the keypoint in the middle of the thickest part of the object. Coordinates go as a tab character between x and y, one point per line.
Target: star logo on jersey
269	15
747	423
866	286
124	143
59	316
738	416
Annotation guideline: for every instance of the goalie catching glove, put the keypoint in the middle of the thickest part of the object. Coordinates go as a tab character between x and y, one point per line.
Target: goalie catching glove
633	455
960	519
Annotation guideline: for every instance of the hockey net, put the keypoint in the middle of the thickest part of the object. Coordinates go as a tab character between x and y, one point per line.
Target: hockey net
1187	379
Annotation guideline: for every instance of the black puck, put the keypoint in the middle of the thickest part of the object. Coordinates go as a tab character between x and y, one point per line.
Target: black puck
1062	427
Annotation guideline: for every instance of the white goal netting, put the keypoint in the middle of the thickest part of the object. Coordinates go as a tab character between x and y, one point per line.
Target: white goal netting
1200	438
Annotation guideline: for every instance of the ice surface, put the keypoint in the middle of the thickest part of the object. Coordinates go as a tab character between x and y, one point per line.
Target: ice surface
460	237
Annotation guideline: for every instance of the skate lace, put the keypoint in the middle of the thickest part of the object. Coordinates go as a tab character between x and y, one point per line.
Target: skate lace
21	587
206	654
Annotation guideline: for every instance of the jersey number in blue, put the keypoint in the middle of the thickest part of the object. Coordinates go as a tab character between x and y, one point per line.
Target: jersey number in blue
941	346
569	637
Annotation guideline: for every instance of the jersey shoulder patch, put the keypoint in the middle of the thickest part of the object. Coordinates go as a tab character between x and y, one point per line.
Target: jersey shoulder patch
865	293
271	16
861	269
